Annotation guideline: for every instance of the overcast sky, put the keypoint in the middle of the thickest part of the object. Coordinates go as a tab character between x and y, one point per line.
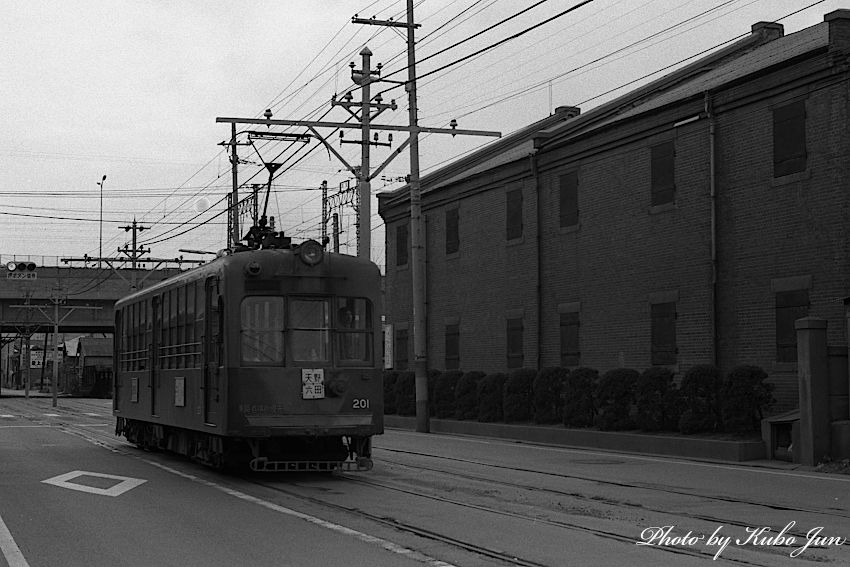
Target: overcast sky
131	90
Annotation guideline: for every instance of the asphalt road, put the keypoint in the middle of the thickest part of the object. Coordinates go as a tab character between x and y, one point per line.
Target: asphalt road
73	494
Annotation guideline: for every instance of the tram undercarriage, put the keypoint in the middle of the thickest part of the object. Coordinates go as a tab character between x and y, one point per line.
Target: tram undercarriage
262	454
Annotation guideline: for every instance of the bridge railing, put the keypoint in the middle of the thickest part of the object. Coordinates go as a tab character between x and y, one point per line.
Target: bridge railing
56	262
47	261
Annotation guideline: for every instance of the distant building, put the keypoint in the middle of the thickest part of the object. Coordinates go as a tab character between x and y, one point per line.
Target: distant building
689	221
94	367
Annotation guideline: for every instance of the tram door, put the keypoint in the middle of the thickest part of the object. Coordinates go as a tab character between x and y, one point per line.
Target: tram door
212	350
153	363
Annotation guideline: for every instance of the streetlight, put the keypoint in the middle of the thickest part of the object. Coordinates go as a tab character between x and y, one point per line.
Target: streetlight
100	247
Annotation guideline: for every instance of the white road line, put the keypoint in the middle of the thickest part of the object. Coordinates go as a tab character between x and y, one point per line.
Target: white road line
380	542
10	549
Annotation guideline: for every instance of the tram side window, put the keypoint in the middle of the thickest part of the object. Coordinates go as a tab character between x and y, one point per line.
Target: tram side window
353	337
309	327
262	330
142	331
124	343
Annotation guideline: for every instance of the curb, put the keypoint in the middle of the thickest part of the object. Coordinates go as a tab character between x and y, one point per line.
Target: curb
667	445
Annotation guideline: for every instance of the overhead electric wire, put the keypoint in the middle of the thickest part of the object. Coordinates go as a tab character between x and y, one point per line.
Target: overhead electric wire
539	84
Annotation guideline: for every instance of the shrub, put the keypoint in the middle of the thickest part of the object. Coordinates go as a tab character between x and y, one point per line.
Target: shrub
433	378
700	399
516	403
490	397
405	393
390	377
444	393
466	395
745	396
546	394
615	396
654	395
578	397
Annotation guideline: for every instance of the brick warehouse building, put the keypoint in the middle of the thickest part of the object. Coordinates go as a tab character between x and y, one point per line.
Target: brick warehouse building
690	221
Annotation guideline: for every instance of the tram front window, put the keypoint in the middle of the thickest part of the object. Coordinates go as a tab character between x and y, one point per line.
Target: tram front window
262	330
309	330
353	331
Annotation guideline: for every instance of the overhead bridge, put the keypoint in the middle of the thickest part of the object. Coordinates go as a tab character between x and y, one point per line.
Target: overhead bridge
82	299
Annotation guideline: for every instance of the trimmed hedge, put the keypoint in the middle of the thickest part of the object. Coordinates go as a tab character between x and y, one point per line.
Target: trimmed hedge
405	393
655	400
433	378
579	387
547	388
615	396
466	395
444	393
745	396
700	399
621	399
490	396
390	377
516	402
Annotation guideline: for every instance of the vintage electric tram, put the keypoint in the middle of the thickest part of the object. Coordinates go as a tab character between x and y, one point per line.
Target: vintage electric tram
267	356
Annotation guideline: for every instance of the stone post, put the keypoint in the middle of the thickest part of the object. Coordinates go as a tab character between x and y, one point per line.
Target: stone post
813	377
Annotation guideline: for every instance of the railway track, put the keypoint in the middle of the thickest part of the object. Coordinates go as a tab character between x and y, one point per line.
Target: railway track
627	485
381	486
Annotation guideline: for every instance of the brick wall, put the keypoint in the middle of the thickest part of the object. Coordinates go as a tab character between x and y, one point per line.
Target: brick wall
624	254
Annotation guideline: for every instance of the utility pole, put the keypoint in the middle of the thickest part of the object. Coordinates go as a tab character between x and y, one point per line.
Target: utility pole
136	252
324	211
365	117
233	235
134	256
364	227
417	238
234	173
417	252
100	246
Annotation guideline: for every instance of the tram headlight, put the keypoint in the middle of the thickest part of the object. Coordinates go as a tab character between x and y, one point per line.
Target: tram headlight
253	268
311	252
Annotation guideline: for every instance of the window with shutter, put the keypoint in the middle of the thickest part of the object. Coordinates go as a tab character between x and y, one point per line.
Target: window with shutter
452	347
452	231
513	204
663	334
570	355
514	345
663	178
568	188
401	245
790	306
400	349
789	139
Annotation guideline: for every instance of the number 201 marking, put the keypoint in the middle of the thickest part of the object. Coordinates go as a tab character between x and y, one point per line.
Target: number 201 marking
361	403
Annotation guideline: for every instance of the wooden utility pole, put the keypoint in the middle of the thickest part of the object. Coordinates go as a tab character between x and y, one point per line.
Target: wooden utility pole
368	110
417	237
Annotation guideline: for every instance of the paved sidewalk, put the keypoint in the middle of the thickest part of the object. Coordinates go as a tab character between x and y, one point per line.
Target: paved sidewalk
34	393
